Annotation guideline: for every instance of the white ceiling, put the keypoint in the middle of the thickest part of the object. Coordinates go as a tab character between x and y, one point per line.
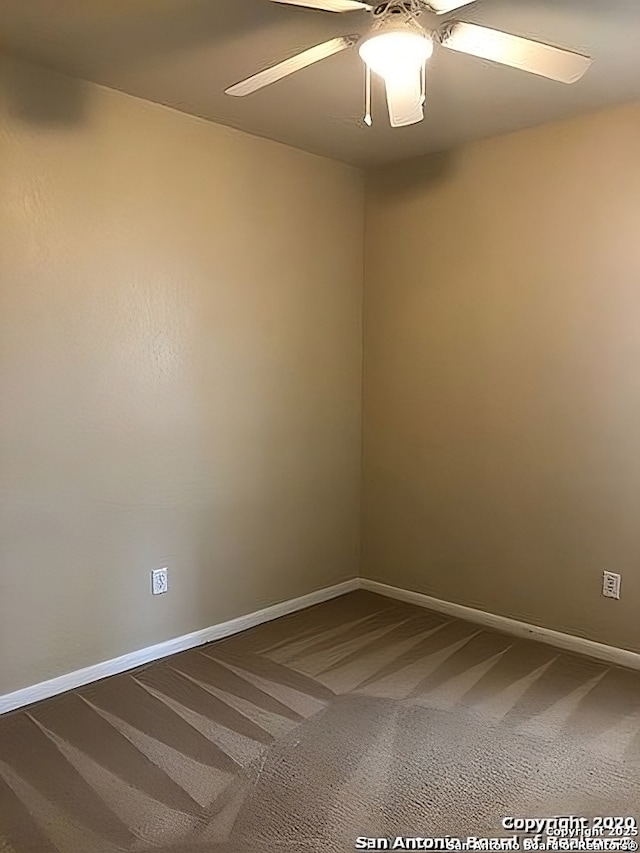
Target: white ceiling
184	53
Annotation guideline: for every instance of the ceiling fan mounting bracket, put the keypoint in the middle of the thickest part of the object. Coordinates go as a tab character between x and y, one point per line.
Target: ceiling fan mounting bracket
398	8
441	34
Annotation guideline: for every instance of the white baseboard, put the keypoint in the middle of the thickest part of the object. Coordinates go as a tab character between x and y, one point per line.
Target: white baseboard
567	642
46	689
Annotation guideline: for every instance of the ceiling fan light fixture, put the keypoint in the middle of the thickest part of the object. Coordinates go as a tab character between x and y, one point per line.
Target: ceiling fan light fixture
397	49
392	52
399	56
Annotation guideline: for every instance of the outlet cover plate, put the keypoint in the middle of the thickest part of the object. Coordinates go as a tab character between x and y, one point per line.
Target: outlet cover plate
160	581
611	584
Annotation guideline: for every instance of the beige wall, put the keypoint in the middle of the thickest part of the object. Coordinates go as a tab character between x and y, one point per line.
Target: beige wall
502	375
180	360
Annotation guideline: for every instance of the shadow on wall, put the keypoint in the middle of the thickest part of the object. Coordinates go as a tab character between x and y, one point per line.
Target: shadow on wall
86	43
412	177
40	98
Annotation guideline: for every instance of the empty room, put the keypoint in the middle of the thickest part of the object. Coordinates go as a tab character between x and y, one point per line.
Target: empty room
320	425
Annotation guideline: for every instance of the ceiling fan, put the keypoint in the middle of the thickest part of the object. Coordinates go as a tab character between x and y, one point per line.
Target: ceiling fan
397	47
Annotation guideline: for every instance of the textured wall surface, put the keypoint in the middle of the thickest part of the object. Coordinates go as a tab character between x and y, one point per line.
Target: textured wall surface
180	362
502	376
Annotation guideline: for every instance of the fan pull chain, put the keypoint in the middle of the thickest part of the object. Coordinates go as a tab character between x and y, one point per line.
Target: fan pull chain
367	97
424	82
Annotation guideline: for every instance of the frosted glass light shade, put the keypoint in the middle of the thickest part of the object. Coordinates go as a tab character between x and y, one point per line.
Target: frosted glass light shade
399	56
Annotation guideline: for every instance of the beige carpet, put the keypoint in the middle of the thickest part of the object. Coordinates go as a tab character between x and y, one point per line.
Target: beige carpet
360	716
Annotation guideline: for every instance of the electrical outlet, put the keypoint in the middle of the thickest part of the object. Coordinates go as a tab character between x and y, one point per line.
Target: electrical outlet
611	585
160	581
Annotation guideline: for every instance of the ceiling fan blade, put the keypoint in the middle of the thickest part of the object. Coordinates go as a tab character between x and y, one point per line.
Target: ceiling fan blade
441	7
290	66
566	66
328	5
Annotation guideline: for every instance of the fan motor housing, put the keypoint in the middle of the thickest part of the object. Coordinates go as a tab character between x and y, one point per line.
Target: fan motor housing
395	7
